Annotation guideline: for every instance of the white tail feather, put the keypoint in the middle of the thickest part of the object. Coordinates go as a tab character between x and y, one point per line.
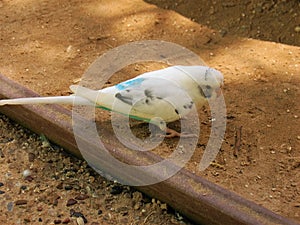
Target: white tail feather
47	100
99	97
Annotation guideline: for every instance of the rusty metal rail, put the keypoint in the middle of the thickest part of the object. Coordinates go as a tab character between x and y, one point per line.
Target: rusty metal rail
198	199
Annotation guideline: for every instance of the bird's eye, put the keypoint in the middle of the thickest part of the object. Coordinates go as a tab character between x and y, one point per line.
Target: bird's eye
208	87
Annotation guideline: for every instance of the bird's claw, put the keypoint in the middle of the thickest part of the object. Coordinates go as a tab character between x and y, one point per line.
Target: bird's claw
170	133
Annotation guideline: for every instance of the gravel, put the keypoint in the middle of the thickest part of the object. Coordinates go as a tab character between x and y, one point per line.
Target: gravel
41	184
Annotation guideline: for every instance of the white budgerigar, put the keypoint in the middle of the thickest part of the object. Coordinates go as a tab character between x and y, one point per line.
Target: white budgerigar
157	97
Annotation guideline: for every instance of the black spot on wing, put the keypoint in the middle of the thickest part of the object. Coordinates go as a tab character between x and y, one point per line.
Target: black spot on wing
188	105
150	96
148	93
118	96
125	99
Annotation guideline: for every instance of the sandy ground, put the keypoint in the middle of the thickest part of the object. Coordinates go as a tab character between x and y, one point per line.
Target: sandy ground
47	45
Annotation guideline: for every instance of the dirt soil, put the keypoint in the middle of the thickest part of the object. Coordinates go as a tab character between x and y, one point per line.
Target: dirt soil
47	45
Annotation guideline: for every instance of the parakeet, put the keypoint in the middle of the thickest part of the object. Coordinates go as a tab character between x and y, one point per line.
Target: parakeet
156	97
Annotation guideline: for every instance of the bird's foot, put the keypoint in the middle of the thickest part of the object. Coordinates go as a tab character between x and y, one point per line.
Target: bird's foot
170	133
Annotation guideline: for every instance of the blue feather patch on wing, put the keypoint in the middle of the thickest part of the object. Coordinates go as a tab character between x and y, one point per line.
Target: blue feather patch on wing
129	83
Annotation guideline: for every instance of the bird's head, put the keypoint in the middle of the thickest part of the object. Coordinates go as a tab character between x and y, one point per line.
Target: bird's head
209	80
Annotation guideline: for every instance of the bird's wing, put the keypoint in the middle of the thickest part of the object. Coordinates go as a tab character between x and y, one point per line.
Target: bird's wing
156	96
141	98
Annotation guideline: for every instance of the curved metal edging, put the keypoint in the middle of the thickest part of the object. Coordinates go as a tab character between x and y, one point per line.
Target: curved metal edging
198	199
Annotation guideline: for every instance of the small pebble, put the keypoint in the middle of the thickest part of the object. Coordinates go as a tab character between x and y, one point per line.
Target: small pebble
79	221
71	202
68	187
26	173
81	197
31	157
10	206
69	48
91	179
116	190
73	213
137	206
57	221
21	202
66	221
178	216
297	29
29	178
26	220
164	206
45	144
60	186
52	212
55	202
